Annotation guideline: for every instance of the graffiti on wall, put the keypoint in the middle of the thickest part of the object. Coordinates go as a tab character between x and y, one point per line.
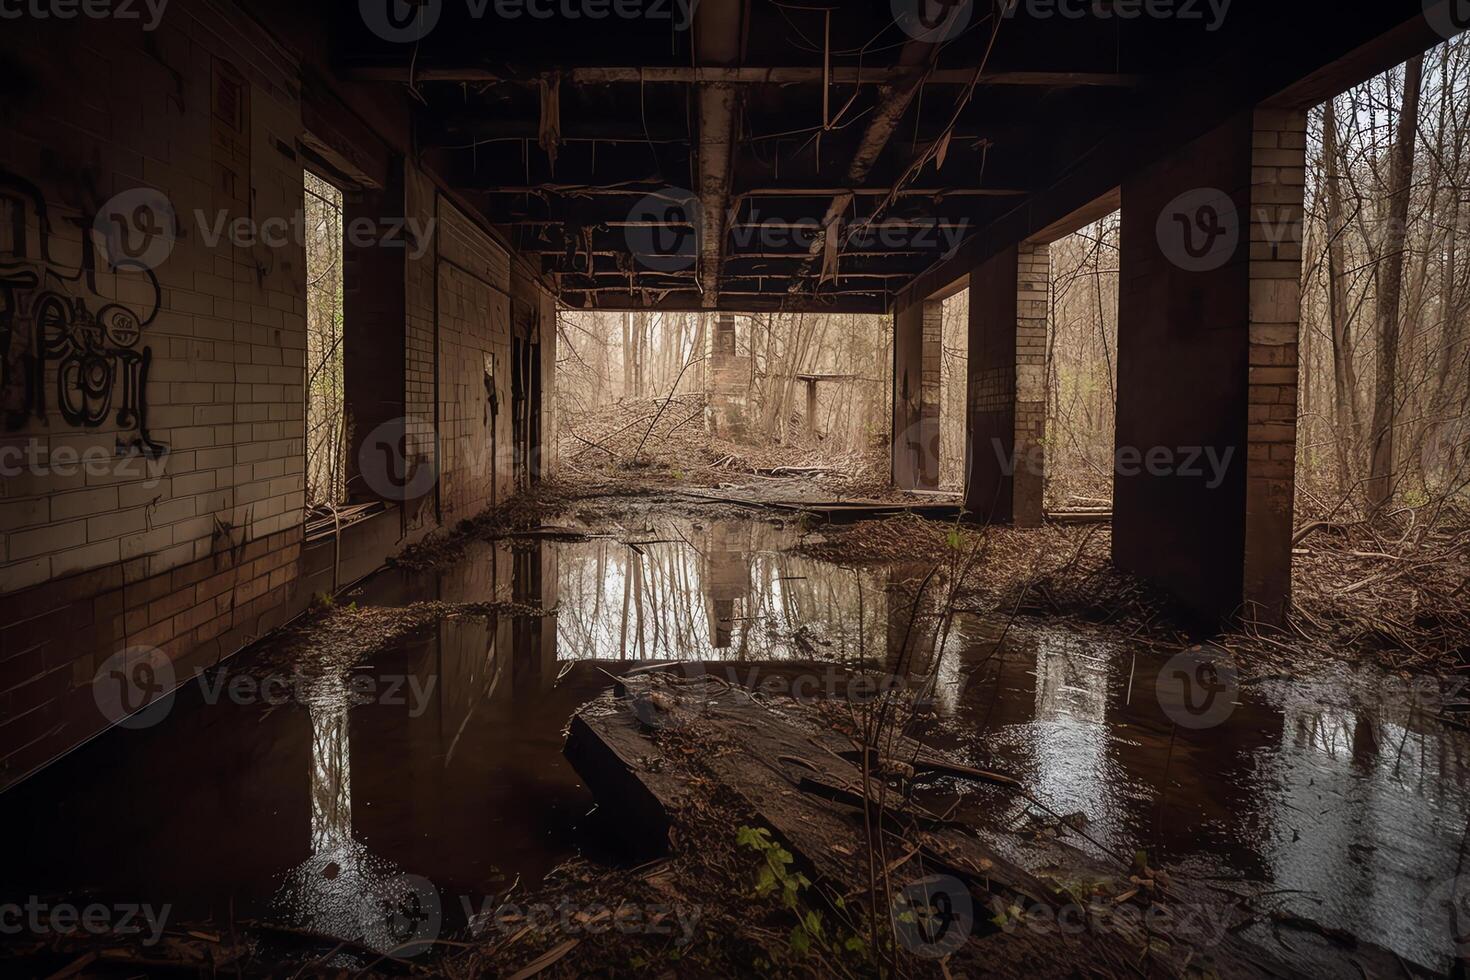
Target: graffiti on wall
62	344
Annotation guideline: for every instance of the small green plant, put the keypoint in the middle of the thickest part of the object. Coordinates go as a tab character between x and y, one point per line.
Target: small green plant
775	870
775	877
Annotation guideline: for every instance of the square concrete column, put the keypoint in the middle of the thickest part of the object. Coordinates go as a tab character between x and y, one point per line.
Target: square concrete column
728	382
1006	425
917	335
1207	367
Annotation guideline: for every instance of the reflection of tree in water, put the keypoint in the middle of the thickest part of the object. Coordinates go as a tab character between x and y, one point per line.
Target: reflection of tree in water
343	890
713	592
1367	805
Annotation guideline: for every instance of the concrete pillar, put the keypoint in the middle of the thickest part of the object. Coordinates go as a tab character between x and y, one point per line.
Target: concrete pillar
728	382
917	329
1207	367
726	578
1006	425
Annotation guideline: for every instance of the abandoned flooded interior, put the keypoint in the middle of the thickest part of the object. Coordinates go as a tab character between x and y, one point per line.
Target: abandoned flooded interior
707	488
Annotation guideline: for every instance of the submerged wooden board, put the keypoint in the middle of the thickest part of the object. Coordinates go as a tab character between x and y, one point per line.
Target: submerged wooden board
792	776
641	746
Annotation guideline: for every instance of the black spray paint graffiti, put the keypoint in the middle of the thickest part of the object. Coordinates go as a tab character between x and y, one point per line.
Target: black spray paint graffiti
46	321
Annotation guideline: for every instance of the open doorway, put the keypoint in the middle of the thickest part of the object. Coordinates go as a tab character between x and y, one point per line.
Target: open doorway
1082	370
795	403
326	417
954	349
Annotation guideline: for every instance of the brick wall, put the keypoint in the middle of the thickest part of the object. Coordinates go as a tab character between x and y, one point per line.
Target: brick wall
474	336
421	205
993	422
223	333
1278	181
180	385
1207	357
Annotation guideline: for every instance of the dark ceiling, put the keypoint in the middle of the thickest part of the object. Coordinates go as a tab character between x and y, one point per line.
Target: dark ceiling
697	165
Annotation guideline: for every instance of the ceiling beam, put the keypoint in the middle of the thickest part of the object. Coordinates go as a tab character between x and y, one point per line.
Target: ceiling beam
692	301
587	190
713	75
916	59
719	26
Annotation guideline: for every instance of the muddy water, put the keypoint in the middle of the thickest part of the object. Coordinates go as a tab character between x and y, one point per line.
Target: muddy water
436	765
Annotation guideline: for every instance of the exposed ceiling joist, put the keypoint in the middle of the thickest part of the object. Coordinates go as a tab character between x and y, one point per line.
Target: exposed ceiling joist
712	74
718	29
587	190
916	59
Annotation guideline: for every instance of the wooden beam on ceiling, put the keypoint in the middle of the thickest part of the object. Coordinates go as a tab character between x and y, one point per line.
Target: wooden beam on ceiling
587	190
713	75
692	301
916	59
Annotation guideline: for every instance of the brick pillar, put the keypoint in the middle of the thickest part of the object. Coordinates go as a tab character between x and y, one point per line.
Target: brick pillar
1033	298
917	329
1006	424
1207	365
728	382
1278	182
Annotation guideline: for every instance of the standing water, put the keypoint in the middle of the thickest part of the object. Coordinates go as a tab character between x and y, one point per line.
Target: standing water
434	766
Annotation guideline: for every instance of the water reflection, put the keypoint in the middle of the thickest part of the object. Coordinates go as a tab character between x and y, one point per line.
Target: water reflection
336	891
350	807
1337	794
717	591
1341	796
